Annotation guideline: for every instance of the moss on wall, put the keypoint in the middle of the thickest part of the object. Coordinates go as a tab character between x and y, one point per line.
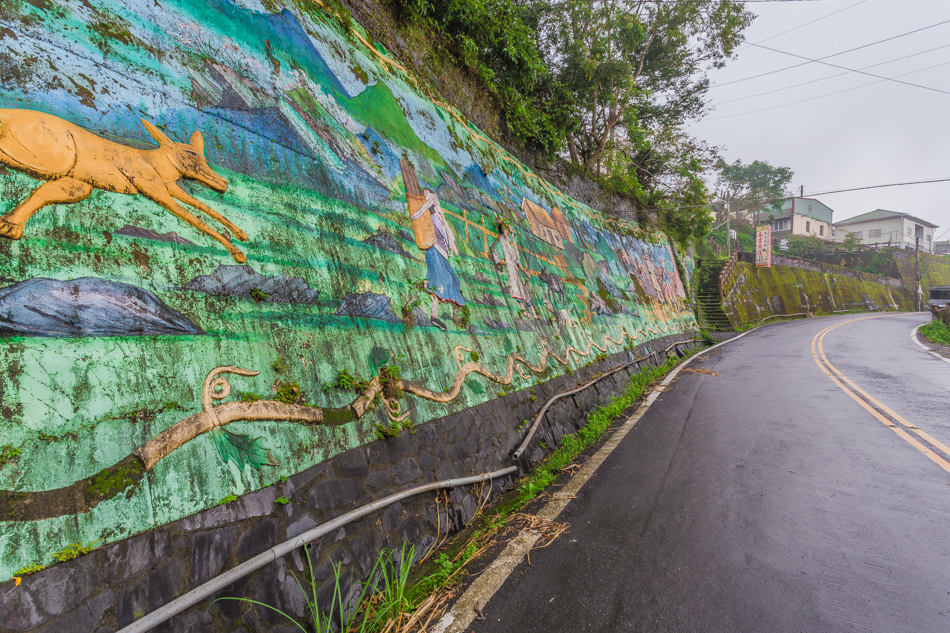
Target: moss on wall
752	294
934	270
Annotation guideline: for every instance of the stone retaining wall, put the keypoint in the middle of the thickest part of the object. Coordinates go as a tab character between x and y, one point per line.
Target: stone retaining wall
823	267
115	585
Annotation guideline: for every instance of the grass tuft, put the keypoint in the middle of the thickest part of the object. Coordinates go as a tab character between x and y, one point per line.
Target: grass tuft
936	332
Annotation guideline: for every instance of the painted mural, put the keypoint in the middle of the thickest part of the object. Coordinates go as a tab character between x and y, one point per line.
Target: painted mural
237	239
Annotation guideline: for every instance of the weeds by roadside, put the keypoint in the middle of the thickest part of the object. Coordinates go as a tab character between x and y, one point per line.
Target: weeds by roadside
936	332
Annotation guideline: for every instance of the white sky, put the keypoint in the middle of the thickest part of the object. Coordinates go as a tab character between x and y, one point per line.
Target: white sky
883	133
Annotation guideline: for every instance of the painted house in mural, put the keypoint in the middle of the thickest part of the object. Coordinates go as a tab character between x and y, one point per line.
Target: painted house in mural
804	217
882	228
551	227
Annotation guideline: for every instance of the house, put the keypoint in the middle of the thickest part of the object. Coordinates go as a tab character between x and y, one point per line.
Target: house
942	248
550	227
805	217
880	228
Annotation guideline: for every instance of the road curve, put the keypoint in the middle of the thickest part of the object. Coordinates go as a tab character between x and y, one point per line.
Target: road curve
763	492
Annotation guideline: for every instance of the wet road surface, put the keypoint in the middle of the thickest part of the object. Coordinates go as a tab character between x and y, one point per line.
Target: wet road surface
758	495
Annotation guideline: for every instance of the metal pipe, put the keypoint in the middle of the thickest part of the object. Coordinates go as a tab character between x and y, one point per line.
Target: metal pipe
579	388
205	590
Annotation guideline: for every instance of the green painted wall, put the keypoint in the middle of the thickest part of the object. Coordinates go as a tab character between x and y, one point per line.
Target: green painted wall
113	311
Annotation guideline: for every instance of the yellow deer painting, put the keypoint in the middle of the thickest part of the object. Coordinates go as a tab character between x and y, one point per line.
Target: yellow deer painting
75	161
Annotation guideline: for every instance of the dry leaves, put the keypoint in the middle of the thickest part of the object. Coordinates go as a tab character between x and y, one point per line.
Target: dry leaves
708	372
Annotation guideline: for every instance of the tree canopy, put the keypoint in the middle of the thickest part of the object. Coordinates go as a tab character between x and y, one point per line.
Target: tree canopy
750	189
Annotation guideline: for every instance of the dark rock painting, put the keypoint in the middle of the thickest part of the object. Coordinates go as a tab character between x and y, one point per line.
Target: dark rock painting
239	281
87	306
368	305
147	234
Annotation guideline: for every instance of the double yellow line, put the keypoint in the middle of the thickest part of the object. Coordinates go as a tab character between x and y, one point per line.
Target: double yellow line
873	406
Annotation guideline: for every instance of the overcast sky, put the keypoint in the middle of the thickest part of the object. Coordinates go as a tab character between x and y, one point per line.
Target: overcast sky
883	133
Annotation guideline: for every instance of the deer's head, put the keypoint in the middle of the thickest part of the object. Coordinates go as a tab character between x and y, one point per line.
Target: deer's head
188	158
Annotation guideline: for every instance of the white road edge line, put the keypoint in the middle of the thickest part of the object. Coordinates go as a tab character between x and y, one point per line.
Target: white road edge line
462	613
913	337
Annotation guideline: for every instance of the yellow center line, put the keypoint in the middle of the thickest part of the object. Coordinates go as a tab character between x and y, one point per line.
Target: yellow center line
817	352
883	407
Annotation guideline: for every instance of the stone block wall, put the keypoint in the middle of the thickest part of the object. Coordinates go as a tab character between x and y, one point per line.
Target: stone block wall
113	586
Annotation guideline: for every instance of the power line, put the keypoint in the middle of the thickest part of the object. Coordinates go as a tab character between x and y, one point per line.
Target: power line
801	26
819	60
860	72
813	81
811	194
895	184
822	96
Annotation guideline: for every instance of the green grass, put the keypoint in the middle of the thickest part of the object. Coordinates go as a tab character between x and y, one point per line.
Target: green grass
936	332
386	609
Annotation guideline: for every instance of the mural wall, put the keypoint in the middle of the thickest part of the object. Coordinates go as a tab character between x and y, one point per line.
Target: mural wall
237	239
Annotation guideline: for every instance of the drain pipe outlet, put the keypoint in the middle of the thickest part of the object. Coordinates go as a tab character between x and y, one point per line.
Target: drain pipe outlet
214	585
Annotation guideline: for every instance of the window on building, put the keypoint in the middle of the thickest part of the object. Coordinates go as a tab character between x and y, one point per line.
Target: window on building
808	227
859	235
821	229
782	224
810	208
910	232
874	233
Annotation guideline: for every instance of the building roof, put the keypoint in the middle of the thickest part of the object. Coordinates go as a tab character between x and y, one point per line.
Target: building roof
821	211
883	214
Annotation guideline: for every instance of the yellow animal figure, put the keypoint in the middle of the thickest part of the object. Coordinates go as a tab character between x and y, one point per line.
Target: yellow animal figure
75	161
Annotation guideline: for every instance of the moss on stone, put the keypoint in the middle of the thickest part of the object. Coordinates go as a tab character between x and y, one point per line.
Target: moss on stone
116	479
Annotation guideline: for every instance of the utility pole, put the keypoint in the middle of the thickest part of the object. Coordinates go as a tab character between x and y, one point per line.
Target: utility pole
917	276
802	192
728	232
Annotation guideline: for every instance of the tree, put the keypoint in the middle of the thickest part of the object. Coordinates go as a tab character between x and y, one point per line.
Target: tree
850	242
496	41
750	189
632	65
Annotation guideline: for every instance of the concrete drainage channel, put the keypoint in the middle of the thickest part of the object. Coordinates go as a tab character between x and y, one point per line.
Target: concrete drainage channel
209	588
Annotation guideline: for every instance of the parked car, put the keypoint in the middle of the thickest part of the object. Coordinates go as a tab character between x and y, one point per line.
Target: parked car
939	298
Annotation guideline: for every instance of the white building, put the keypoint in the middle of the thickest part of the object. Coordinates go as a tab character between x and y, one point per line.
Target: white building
805	217
880	228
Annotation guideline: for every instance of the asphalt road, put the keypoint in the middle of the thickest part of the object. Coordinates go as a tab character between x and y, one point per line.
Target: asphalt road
757	495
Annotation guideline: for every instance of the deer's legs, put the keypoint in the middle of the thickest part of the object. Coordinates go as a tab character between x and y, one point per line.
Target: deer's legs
60	191
180	194
157	192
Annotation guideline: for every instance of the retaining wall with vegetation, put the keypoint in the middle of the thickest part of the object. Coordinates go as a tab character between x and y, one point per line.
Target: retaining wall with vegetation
792	286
